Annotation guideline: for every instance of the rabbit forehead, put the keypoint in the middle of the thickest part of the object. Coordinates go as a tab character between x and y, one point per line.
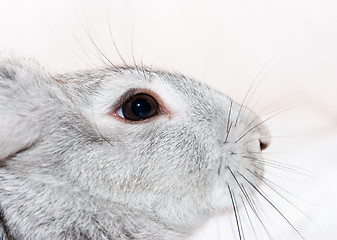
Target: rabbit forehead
167	88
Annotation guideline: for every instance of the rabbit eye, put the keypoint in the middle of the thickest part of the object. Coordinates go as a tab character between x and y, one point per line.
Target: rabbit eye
138	107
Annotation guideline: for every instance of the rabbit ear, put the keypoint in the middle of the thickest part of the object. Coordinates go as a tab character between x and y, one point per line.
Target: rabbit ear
17	133
19	127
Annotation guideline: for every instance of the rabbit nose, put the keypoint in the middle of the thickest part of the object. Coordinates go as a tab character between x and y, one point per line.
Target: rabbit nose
264	143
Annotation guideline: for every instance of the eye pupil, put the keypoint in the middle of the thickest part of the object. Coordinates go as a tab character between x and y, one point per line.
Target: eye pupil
140	107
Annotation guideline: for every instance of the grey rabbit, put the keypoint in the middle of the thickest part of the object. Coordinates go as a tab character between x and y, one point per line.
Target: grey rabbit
119	153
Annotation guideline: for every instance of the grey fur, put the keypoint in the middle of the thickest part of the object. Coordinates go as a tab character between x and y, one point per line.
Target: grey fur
70	170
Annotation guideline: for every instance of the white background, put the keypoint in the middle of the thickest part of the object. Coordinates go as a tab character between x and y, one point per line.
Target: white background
289	46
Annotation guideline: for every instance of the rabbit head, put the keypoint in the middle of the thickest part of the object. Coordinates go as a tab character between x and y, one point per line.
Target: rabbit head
160	144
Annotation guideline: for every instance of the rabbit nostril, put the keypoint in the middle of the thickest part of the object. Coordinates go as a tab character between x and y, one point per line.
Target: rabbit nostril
263	145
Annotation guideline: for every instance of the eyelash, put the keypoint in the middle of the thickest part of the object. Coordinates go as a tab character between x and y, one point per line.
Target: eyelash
139	107
118	109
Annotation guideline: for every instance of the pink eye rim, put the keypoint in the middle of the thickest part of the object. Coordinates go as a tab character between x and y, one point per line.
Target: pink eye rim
139	107
117	107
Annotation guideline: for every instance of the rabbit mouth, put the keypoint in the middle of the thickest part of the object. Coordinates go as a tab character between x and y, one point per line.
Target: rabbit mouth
240	170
